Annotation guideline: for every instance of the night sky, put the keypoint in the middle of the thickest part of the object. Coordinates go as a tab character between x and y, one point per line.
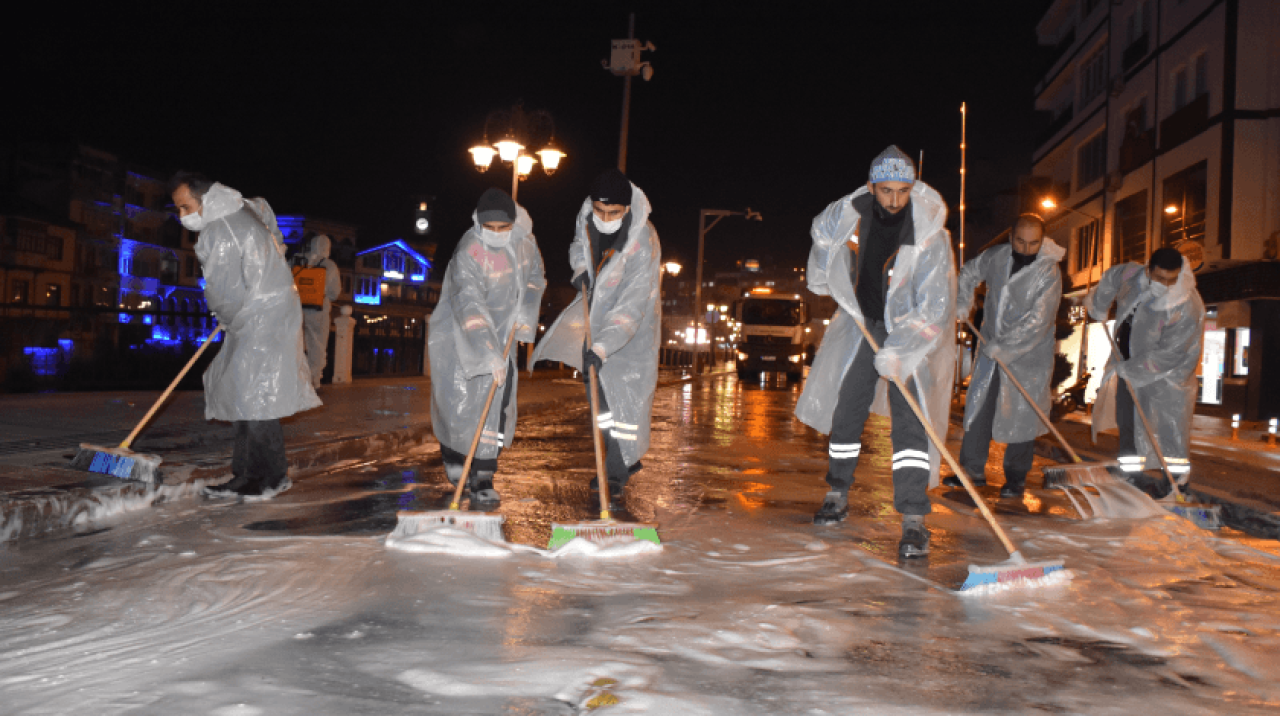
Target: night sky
348	114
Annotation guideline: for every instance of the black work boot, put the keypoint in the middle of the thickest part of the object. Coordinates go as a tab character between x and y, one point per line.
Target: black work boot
835	508
616	503
953	481
234	488
1012	490
915	538
483	497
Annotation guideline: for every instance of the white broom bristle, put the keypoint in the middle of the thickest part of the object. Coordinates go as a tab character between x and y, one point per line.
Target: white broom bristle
482	525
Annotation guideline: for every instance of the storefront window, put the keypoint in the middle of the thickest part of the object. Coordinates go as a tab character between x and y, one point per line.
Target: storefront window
1213	361
1240	363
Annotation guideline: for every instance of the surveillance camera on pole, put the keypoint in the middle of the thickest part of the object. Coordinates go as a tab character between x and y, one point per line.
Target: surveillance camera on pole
624	61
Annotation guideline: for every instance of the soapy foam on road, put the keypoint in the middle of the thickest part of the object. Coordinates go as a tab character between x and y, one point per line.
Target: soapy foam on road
444	540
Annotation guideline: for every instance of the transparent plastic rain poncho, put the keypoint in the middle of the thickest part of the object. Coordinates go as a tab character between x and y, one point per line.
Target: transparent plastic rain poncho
315	322
626	319
261	372
486	292
1165	340
919	312
267	216
1019	329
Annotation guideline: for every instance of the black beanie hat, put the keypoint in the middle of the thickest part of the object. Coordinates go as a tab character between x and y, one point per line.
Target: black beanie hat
1166	258
496	205
612	187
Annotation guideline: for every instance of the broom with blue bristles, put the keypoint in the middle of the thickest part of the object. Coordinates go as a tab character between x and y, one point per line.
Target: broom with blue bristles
122	462
1016	571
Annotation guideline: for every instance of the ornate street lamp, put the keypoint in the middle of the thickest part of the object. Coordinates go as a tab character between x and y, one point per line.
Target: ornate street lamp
518	130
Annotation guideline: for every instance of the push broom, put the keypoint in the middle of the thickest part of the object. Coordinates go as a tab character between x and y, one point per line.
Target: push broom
482	524
1079	473
606	531
1205	516
1016	571
122	462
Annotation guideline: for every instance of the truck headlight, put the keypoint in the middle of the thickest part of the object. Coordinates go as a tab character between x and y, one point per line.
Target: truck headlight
795	359
742	356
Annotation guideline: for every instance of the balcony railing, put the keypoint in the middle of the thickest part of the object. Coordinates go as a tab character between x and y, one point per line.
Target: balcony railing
1135	52
1185	123
1055	126
1137	150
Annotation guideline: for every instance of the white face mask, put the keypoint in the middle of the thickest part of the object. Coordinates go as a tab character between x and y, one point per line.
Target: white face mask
606	227
1157	289
193	222
494	239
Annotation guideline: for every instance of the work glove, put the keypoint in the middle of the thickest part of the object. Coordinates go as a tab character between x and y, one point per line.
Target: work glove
498	369
579	280
593	356
991	349
889	365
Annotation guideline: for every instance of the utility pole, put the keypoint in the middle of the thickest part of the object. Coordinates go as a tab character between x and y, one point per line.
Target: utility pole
624	61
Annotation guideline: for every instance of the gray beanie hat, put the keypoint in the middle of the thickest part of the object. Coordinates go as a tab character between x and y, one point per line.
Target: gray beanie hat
496	205
892	165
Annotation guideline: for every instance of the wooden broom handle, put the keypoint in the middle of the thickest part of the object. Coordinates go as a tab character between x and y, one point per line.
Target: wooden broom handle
942	448
1142	414
165	395
1025	394
484	417
595	410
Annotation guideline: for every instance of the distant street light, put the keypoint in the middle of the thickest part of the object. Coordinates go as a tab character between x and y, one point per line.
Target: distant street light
519	130
672	268
703	228
1050	204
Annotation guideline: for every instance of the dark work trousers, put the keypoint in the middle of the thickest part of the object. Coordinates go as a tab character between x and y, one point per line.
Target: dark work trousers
258	456
451	455
615	466
1124	419
910	442
977	443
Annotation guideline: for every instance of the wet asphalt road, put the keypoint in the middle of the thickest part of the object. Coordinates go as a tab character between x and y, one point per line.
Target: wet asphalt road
293	605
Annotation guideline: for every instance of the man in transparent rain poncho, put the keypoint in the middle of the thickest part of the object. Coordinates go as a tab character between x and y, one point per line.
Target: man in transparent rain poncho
1024	288
260	375
884	255
317	319
1159	327
616	255
492	286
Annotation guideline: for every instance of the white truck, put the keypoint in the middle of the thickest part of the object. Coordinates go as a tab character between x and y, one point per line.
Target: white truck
773	334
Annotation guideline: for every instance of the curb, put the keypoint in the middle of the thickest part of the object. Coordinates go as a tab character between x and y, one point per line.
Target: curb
1254	518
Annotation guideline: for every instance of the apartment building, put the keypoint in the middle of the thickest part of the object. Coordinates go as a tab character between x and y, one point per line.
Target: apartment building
1165	131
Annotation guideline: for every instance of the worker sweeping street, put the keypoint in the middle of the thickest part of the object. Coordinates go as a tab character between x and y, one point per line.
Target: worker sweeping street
884	255
260	375
616	257
1159	330
1024	288
492	287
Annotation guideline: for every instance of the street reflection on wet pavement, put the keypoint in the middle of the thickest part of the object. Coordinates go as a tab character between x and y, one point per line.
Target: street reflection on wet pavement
295	606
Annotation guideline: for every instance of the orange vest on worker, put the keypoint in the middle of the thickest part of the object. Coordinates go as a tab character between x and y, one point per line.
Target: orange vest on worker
310	283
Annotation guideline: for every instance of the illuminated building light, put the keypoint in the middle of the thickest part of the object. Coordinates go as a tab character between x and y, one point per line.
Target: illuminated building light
419	277
44	361
393	274
65	344
370	300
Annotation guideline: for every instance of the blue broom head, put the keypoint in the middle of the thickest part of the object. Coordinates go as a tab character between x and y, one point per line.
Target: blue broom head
1006	573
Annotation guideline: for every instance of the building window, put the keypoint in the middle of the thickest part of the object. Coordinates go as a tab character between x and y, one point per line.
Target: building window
393	262
1183	210
1086	248
1093	76
346	285
1179	88
52	295
21	292
1136	25
371	261
1240	362
1201	64
1131	229
1091	160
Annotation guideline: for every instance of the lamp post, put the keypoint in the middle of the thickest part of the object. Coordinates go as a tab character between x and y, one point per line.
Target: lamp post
703	228
518	129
